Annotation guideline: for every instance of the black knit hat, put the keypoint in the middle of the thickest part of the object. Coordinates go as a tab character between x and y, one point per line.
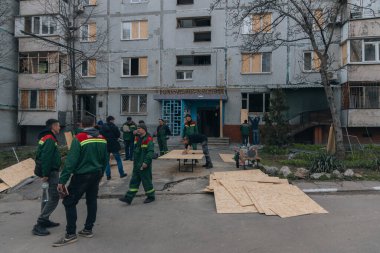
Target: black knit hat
109	119
187	115
50	122
143	126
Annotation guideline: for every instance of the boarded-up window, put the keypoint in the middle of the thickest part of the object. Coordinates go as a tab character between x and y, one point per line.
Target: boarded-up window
92	2
135	30
311	61
92	32
92	69
88	32
318	19
262	23
344	53
37	99
135	66
89	68
256	63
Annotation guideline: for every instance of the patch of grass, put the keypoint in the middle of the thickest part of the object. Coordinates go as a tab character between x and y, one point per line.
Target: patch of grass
275	150
7	157
307	147
295	162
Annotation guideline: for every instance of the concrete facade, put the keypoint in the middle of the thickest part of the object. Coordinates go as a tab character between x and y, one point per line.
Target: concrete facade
215	92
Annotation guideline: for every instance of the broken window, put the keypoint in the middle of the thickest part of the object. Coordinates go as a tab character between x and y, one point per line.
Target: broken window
202	36
193	22
135	66
256	102
180	2
190	60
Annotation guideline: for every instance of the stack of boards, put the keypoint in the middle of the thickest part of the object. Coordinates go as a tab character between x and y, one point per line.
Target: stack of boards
15	174
252	191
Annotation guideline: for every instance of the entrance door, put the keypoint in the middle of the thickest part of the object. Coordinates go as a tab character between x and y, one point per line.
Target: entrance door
171	113
209	121
87	105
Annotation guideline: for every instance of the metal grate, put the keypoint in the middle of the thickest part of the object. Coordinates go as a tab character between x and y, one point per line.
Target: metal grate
171	113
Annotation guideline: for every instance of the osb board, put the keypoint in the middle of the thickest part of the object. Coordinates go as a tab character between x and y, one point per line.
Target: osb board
3	187
240	174
211	186
177	154
69	139
225	203
243	115
15	174
283	200
227	158
236	189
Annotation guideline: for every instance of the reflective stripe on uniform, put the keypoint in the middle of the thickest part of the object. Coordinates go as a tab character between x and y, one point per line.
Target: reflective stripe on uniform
93	141
133	190
42	143
144	146
150	191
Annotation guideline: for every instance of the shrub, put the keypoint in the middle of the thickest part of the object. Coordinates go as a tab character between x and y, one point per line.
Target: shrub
325	163
275	150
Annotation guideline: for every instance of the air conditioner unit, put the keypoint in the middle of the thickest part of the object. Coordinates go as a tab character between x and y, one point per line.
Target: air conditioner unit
333	76
67	84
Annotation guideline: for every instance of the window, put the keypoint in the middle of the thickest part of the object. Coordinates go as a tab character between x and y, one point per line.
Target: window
317	19
134	30
88	32
256	63
257	23
311	62
40	25
193	60
193	22
89	68
365	51
202	36
184	75
38	63
89	2
365	97
133	104
37	100
180	2
138	1
255	102
135	66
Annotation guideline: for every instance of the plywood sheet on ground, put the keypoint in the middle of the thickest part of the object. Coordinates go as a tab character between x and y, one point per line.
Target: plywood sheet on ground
225	203
3	187
283	200
177	154
69	139
227	158
15	174
249	176
236	189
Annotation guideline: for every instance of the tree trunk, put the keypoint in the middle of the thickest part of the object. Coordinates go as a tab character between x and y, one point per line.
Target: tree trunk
73	84
340	150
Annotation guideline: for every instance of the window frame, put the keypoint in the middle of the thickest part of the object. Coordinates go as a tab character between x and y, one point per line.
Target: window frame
37	102
130	23
313	68
51	23
193	22
265	101
89	38
261	54
185	3
193	60
248	26
185	72
130	66
129	104
88	69
203	32
138	1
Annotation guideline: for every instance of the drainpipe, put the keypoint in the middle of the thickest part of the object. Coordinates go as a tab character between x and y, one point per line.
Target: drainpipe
109	57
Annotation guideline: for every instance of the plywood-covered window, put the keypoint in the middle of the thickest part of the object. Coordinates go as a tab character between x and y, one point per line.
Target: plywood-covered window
255	23
311	61
256	63
318	20
89	2
135	66
344	53
134	30
88	32
37	99
89	68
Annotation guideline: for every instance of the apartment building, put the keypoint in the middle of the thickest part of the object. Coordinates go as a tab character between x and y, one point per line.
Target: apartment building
166	58
8	74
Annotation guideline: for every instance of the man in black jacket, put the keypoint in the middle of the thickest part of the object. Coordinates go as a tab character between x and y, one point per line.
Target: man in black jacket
112	134
198	138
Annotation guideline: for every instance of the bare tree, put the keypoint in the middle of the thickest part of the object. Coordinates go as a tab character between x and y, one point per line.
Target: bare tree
75	22
314	22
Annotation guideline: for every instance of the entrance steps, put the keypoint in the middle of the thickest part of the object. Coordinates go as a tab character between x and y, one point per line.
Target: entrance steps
216	141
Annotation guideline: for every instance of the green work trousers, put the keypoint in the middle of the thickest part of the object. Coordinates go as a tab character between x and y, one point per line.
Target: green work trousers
138	177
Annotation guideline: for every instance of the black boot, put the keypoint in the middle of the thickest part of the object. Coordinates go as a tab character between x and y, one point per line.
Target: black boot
40	230
50	224
125	200
149	200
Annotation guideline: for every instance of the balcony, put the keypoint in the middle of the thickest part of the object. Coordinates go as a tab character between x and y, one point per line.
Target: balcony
38	81
36	45
360	28
360	117
363	72
39	7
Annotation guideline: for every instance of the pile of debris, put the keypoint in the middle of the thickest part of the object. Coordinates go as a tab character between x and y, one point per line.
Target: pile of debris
252	191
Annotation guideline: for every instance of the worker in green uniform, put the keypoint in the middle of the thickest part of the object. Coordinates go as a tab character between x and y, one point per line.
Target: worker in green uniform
142	167
245	128
162	136
84	167
190	128
128	130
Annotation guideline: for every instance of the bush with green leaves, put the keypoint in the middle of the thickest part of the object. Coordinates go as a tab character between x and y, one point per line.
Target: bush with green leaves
325	163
